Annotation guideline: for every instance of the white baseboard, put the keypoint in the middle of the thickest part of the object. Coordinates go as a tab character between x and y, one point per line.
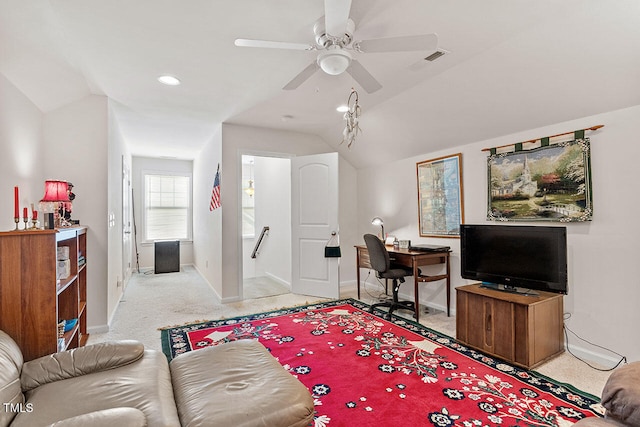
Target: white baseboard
278	279
603	360
349	285
206	281
101	329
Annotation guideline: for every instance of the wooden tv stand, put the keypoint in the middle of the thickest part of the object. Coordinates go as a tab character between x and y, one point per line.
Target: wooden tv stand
523	330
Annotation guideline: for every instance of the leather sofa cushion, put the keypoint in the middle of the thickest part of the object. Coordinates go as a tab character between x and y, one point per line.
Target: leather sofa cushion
238	384
621	395
10	366
144	384
597	422
116	417
79	361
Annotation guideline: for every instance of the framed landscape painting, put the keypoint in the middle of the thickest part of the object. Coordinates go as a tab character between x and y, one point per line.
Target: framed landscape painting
440	201
550	183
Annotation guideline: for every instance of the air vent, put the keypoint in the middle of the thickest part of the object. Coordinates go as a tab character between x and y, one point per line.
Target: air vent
435	55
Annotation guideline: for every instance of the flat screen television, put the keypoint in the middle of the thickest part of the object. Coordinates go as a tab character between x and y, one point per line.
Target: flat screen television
515	258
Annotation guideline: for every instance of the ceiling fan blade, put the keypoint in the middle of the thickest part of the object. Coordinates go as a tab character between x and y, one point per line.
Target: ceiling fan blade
302	76
272	44
399	44
336	15
363	77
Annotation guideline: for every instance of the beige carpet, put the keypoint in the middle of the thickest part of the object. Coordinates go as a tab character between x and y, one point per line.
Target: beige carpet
153	301
261	287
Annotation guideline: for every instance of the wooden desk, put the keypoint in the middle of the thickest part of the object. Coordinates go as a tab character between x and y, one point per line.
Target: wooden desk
413	260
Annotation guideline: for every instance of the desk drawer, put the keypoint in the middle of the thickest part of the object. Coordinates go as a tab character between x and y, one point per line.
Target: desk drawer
401	259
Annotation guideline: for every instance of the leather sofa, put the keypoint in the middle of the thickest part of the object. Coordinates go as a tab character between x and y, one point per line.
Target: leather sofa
122	384
620	399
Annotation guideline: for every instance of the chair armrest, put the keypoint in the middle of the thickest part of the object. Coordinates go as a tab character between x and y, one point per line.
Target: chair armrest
130	417
79	361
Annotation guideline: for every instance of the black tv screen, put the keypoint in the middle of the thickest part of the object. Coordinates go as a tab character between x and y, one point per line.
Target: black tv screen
515	256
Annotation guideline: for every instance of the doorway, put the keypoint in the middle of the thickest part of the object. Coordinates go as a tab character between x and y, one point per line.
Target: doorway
266	226
126	222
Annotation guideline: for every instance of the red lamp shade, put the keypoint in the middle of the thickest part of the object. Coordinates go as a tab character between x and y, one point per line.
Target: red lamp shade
55	191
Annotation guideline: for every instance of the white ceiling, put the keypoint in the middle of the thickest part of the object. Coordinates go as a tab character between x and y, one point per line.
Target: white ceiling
514	65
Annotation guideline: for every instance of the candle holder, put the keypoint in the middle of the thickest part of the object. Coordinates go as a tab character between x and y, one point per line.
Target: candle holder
26	222
34	224
17	221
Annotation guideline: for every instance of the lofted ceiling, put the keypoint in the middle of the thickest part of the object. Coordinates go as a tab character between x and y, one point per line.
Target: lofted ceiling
512	66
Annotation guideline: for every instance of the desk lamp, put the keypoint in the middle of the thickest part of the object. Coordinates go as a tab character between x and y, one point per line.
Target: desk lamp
378	221
55	192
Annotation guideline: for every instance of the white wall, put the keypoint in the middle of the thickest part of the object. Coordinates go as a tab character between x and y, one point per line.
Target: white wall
207	225
139	166
273	209
348	234
21	162
116	280
68	143
604	288
75	150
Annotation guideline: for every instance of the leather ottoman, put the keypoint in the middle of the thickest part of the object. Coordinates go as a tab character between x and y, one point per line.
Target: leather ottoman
238	384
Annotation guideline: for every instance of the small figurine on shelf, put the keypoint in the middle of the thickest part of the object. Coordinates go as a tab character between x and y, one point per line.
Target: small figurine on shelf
67	207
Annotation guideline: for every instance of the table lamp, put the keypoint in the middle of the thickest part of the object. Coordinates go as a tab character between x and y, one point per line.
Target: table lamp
378	221
55	192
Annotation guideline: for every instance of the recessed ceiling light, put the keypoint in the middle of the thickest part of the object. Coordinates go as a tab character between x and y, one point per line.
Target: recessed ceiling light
169	80
342	109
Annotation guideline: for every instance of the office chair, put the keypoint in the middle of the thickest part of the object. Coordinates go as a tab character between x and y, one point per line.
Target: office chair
381	262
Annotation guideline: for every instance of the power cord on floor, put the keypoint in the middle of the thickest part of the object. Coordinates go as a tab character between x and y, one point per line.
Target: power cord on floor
382	296
566	340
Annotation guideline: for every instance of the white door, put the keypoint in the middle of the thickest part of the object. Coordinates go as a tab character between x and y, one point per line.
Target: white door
314	216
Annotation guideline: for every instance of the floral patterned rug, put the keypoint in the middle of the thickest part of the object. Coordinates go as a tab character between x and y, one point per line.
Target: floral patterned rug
363	370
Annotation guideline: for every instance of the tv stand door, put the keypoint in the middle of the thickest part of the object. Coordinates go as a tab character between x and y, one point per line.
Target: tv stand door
492	325
524	330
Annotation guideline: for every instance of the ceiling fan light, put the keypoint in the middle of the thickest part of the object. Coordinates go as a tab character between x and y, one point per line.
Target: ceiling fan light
334	61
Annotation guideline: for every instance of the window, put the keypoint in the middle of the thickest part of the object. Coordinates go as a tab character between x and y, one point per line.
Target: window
167	207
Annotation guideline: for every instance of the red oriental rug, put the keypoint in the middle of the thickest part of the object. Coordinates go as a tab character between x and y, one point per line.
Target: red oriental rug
363	370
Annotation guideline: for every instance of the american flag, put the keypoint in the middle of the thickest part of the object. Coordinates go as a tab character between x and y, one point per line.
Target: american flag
215	195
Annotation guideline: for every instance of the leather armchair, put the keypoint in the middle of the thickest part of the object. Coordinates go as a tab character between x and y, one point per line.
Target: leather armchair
106	384
122	384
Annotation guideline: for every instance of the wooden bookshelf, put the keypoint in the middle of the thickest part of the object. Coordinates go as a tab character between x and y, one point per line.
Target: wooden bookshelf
33	299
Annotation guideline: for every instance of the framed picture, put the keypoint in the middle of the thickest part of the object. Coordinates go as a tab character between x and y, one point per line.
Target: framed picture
440	201
549	183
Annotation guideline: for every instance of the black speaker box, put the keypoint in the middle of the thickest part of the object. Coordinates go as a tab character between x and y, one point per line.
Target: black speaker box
167	256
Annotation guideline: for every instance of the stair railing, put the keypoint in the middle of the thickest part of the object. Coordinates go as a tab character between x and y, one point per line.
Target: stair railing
265	230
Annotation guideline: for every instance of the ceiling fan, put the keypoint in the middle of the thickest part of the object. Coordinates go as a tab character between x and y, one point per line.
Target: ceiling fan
335	43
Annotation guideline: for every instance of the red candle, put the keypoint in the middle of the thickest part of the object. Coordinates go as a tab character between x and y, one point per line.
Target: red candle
35	215
16	210
25	213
